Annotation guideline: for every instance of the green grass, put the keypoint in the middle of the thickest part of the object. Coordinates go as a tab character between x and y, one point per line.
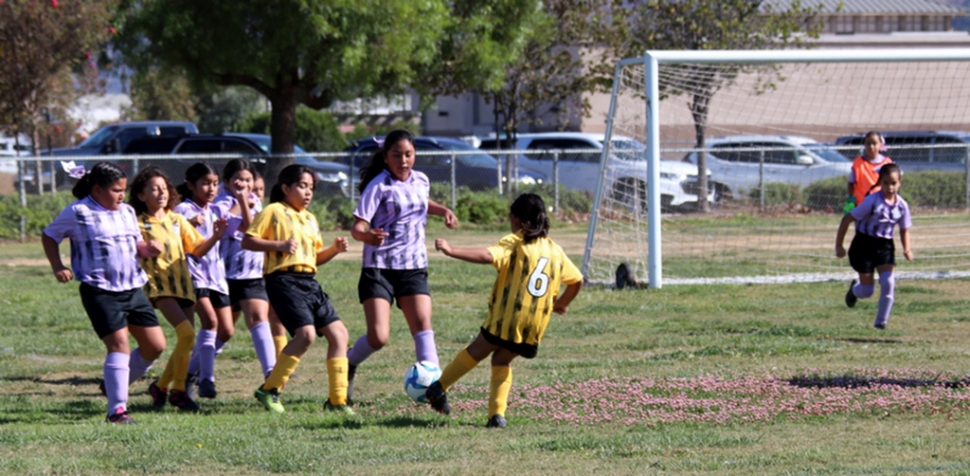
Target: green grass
51	414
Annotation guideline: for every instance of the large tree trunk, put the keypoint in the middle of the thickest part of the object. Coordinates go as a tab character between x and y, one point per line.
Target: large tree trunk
283	132
698	109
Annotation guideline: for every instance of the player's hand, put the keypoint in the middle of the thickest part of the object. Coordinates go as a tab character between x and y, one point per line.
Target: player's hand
289	246
219	227
839	251
559	308
197	220
340	244
154	248
443	246
908	254
376	236
63	275
241	193
451	221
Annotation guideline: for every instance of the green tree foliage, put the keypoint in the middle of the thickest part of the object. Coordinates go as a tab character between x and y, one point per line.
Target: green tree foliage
316	131
161	94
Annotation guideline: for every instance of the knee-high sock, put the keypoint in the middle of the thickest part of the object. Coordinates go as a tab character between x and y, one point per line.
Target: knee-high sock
263	343
281	372
203	360
424	347
463	363
137	366
180	355
863	291
498	395
887	293
360	351
337	374
116	381
279	342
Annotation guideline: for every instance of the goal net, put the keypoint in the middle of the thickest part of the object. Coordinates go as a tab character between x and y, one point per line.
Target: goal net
780	129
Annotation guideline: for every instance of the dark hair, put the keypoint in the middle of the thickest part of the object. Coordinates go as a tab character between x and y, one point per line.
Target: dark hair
138	186
103	174
235	165
377	163
257	175
887	169
196	172
871	134
290	175
531	212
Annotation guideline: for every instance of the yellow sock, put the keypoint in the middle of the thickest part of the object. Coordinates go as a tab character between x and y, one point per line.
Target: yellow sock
166	378
462	364
279	342
181	354
498	395
285	367
337	373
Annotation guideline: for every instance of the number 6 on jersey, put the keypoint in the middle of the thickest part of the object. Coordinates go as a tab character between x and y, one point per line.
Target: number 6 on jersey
538	280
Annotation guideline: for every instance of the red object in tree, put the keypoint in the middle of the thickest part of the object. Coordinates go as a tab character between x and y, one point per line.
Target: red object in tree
111	29
58	129
54	3
87	55
92	64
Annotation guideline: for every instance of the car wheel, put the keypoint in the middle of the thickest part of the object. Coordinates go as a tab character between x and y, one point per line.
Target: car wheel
632	193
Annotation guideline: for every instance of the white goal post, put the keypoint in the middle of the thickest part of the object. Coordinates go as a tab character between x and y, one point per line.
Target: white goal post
622	232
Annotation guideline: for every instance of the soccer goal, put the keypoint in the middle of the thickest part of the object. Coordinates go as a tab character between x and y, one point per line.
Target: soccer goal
779	129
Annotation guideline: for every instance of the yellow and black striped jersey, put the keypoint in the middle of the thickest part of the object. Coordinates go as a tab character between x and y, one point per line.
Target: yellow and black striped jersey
168	273
528	283
280	222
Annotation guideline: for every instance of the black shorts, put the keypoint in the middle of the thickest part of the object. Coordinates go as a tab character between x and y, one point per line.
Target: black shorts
183	303
527	351
867	252
110	311
217	299
389	284
242	289
299	301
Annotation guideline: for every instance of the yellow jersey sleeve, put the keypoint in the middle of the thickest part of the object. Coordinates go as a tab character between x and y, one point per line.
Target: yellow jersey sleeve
318	236
570	273
191	238
502	251
262	226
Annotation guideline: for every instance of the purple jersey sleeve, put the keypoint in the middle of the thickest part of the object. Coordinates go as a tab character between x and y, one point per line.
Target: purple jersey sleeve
63	225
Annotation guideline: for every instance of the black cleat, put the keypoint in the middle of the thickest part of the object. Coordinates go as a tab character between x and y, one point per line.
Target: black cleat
191	383
880	326
207	389
351	372
182	401
850	298
497	421
158	395
122	417
438	398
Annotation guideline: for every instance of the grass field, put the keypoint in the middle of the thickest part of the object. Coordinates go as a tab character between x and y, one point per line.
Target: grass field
715	379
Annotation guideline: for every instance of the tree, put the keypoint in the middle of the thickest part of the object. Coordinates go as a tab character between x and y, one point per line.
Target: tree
316	131
161	94
711	25
46	60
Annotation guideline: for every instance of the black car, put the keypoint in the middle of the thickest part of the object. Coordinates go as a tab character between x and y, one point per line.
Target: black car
473	168
916	151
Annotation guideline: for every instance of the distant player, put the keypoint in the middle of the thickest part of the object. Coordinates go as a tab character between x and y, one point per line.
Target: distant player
105	246
531	268
169	286
390	220
290	237
864	175
873	248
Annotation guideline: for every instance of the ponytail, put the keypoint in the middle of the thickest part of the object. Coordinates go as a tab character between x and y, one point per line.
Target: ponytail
103	174
531	212
378	162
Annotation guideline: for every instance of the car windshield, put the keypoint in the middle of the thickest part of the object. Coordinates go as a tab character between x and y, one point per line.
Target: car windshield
474	160
266	143
628	149
98	139
828	154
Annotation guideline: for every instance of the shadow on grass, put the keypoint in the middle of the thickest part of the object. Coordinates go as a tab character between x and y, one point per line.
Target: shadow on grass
73	381
75	410
862	340
854	381
411	422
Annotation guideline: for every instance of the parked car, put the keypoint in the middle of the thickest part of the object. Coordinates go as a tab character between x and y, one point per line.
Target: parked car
332	177
473	169
9	150
579	170
917	150
735	161
114	138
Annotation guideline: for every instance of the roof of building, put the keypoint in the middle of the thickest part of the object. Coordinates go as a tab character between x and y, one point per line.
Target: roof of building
880	7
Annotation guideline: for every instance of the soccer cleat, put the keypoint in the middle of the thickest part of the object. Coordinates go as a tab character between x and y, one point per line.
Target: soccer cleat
182	401
438	398
158	395
351	371
122	417
207	389
850	298
191	382
270	399
880	326
343	409
497	421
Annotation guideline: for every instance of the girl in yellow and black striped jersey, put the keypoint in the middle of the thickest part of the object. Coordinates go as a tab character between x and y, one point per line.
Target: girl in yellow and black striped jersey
290	237
531	268
169	286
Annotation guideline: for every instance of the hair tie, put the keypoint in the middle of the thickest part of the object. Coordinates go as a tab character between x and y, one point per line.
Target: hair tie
380	142
73	170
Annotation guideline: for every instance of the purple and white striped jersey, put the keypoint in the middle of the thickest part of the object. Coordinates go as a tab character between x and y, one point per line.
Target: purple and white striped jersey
401	209
240	263
208	272
104	244
875	217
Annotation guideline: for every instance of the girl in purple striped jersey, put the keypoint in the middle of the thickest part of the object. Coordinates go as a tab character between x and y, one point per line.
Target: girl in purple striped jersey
105	246
390	219
872	248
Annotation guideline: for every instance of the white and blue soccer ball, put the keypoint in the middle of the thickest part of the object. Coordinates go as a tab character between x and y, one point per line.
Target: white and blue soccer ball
419	377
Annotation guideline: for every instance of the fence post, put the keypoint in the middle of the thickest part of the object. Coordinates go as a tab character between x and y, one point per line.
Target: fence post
966	177
22	170
555	180
761	176
498	178
454	186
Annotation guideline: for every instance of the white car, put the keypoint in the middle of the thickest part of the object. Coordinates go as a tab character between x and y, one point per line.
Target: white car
8	154
735	162
580	170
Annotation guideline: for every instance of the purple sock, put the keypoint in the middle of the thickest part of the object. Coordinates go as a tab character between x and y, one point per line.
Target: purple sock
205	350
424	347
116	381
360	351
887	287
219	345
265	350
863	291
137	366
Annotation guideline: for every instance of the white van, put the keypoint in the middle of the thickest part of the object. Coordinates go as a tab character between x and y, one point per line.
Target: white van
579	169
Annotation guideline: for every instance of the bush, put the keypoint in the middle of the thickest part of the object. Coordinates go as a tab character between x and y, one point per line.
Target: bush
931	189
778	193
826	194
41	210
570	201
335	212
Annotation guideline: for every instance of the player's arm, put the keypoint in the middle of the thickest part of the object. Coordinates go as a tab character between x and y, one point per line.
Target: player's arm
218	229
244	211
253	243
562	304
840	235
339	246
53	253
361	231
472	255
904	236
434	208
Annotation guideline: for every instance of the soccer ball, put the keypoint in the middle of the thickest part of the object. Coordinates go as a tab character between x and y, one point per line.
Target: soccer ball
419	377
